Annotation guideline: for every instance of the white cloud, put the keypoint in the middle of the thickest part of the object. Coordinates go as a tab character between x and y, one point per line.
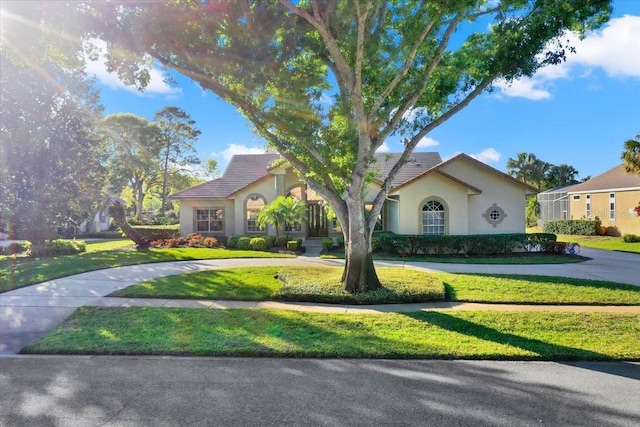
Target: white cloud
384	148
97	68
615	49
234	149
488	155
427	142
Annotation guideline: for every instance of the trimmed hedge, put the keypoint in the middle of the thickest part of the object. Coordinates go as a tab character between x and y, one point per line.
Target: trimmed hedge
156	233
582	227
258	244
14	248
476	244
630	238
58	247
327	244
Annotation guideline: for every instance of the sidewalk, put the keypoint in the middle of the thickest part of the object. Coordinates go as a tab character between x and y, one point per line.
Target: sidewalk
28	313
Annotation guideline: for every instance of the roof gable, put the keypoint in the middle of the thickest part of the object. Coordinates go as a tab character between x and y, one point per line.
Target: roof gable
614	178
419	163
242	171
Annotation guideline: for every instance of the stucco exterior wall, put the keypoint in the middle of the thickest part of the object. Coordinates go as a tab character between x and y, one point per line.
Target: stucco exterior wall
413	196
189	206
626	220
508	195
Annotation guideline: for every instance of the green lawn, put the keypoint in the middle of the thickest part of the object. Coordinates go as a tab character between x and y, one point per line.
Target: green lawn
18	272
322	284
607	243
511	259
313	284
448	335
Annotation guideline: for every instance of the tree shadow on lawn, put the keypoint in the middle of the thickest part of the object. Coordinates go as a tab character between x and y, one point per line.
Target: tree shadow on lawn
541	350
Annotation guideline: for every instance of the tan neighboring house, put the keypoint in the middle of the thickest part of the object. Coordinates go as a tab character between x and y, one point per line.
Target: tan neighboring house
612	197
458	196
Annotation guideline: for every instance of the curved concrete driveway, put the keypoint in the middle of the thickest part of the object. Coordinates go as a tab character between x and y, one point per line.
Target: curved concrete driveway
30	312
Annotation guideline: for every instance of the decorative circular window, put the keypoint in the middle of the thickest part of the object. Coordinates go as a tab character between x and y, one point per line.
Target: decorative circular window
494	215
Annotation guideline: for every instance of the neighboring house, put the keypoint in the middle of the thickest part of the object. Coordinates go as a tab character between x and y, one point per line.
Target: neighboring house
554	204
101	222
612	197
428	196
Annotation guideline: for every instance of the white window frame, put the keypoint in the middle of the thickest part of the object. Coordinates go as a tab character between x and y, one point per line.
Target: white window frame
433	221
612	206
588	206
209	220
251	225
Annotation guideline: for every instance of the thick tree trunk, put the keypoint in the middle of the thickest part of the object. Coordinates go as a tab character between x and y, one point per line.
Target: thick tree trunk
359	273
117	213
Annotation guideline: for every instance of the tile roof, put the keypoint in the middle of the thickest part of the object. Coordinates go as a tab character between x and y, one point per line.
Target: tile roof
615	178
243	170
412	169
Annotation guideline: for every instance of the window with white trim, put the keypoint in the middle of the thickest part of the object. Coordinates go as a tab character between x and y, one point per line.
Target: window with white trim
209	220
612	206
588	206
433	218
254	205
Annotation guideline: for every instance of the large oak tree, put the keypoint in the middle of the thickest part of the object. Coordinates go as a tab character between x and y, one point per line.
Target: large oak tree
326	82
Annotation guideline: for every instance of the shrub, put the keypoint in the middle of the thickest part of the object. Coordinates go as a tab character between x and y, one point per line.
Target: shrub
58	247
583	227
327	244
232	242
14	248
210	242
258	244
271	240
293	245
554	247
283	241
630	238
340	241
158	233
244	243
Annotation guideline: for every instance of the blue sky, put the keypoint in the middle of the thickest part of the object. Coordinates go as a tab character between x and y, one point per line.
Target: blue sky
579	113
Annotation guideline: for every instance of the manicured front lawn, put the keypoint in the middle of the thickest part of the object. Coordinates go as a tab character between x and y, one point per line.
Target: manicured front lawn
18	272
508	259
315	284
322	284
448	335
607	243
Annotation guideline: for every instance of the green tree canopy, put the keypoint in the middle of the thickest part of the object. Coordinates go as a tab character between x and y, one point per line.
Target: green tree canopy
327	82
50	171
133	146
631	155
178	134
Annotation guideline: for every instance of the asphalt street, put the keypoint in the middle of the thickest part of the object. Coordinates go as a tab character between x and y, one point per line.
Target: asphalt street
169	391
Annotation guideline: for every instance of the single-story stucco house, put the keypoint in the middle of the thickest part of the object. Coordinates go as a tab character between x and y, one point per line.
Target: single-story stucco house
612	197
429	196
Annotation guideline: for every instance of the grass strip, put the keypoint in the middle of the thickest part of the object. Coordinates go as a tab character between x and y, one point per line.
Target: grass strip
421	335
532	289
18	272
530	258
312	284
322	284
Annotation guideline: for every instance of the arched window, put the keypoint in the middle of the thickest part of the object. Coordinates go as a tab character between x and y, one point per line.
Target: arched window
433	218
255	203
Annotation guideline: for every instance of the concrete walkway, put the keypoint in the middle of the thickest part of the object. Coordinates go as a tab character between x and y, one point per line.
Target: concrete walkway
28	313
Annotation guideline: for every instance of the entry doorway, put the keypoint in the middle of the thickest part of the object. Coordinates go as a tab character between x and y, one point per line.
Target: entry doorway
317	223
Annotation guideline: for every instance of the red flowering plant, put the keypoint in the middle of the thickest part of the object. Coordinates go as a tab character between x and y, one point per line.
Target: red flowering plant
637	209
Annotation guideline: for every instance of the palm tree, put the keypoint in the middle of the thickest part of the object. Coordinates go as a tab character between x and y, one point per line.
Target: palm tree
631	155
528	169
282	211
560	175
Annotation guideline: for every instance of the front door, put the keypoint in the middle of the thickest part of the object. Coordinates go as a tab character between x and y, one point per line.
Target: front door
317	222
